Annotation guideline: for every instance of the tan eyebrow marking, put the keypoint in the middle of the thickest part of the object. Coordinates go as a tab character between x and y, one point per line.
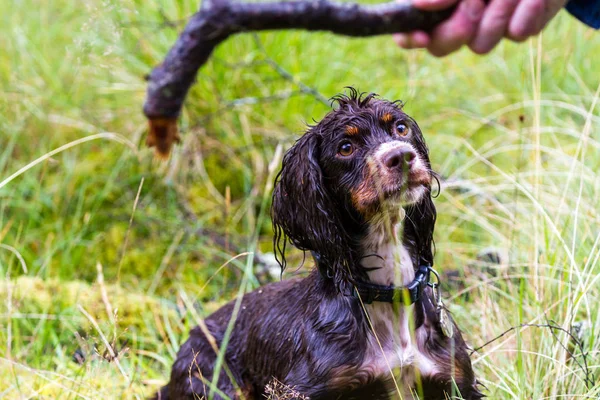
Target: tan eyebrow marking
387	117
351	130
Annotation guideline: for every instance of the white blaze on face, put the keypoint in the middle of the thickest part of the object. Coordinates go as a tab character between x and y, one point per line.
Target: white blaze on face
386	147
384	176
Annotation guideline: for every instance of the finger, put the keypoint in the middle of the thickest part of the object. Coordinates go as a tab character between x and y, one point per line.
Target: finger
403	40
528	20
531	17
552	8
413	40
433	5
420	39
452	34
400	39
493	25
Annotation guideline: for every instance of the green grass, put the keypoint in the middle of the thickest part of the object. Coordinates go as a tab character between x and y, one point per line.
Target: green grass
516	135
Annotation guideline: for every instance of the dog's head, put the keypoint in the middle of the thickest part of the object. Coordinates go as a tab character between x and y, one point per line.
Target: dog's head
363	160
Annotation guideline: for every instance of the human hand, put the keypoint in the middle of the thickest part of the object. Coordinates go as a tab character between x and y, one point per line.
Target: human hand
479	26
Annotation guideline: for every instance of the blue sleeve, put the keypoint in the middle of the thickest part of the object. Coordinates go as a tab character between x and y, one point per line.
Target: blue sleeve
587	11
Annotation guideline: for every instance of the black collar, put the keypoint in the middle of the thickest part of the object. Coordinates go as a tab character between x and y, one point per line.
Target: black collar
409	294
370	292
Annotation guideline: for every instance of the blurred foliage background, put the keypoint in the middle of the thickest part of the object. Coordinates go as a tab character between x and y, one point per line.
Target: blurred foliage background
108	256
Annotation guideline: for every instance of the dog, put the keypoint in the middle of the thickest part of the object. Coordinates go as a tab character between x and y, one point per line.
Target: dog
367	323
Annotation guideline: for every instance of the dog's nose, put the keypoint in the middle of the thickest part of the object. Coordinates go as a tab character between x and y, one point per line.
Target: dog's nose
399	159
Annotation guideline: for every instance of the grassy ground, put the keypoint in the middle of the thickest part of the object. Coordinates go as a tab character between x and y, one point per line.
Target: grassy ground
108	257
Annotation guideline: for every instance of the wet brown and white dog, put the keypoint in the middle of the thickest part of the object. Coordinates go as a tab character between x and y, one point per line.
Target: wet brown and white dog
355	191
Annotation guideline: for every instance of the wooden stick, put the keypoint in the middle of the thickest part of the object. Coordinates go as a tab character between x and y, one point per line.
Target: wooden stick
169	82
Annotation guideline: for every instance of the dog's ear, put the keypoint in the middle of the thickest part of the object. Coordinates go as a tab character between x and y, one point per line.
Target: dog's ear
418	228
304	212
420	217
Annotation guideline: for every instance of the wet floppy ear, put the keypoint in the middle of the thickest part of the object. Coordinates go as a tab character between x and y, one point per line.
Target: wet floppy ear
420	217
419	226
303	210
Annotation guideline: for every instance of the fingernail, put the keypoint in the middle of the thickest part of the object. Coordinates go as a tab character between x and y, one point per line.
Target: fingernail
473	9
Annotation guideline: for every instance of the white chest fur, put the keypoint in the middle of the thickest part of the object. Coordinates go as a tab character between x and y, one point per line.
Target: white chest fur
393	344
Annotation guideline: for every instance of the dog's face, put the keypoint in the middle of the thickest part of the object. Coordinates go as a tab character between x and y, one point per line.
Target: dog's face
364	158
374	157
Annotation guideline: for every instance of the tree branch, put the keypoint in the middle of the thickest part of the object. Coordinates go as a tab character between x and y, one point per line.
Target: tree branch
169	82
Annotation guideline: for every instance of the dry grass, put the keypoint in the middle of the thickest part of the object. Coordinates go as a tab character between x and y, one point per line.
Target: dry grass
276	390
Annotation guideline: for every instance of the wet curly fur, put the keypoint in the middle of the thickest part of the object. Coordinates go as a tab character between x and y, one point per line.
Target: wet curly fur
337	184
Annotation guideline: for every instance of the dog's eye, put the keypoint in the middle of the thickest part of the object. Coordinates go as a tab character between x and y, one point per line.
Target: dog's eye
346	149
402	129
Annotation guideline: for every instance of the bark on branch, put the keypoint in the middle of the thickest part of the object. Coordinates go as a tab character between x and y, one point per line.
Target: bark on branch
169	82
